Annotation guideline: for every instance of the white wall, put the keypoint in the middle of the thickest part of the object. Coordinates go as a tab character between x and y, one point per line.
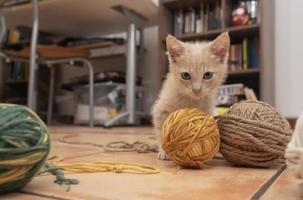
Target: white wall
289	57
150	68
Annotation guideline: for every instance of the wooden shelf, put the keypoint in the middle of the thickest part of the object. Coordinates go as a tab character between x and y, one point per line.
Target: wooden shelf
108	51
234	32
176	4
244	72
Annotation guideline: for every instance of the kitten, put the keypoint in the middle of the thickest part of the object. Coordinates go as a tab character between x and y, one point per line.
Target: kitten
196	70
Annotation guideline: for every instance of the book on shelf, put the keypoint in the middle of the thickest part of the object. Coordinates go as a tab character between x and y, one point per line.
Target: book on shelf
253	60
212	15
18	71
207	16
178	22
187	23
192	20
244	55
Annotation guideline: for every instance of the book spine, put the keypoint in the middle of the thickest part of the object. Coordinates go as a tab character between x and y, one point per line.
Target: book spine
187	22
202	16
253	61
192	20
233	58
223	13
176	23
19	73
218	18
206	13
210	20
240	66
198	23
12	71
245	54
237	57
181	22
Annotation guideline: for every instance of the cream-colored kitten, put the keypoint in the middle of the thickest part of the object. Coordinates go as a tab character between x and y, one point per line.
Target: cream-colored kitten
196	71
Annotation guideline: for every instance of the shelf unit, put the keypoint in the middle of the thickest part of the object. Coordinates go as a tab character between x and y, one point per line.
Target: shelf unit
234	32
250	77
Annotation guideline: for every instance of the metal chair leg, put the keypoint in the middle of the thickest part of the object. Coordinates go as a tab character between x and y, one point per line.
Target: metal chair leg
91	92
131	73
91	81
51	95
32	92
2	28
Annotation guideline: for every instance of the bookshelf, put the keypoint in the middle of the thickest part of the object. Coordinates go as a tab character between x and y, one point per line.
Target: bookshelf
234	32
15	80
248	69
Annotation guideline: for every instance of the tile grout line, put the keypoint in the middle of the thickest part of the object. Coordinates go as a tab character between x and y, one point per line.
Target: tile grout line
43	195
261	191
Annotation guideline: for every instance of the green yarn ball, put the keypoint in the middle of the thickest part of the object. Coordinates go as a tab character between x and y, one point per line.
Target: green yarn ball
24	146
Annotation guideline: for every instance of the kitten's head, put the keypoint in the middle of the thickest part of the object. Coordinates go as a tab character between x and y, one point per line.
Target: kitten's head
199	68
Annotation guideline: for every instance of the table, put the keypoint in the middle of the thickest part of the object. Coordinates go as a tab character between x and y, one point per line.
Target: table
113	16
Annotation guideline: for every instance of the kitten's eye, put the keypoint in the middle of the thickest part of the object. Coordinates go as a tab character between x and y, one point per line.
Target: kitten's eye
208	75
185	76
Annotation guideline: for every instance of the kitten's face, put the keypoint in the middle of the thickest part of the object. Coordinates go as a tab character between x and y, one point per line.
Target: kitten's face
198	68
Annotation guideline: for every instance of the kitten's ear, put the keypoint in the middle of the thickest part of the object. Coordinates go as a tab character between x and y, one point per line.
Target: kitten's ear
174	47
220	46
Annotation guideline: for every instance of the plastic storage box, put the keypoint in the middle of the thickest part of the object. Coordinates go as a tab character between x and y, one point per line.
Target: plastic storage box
109	102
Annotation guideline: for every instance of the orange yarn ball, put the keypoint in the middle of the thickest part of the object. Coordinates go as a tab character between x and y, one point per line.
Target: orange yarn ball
190	137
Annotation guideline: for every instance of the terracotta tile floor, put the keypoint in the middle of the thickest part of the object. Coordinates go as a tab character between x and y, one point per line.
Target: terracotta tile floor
218	180
286	187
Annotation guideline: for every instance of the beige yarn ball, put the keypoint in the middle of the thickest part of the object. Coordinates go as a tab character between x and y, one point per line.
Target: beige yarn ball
190	137
254	134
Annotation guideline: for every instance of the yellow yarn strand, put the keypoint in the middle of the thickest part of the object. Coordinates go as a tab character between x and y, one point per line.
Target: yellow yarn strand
190	137
117	167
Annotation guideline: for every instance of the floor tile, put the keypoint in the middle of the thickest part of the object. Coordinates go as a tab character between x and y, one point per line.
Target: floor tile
218	180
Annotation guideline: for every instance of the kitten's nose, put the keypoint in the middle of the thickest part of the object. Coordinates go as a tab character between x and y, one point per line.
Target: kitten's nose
196	88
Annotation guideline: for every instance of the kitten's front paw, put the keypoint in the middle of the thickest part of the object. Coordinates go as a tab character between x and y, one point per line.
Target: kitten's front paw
162	155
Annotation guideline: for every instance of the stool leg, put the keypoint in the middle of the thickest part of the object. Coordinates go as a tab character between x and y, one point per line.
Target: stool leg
51	95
